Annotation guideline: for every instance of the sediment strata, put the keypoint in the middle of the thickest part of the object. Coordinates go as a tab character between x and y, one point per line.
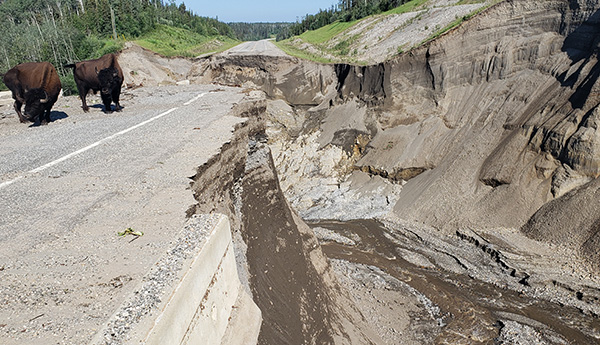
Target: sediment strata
487	123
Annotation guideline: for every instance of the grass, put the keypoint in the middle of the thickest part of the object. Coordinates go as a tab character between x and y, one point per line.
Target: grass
170	41
459	20
327	32
292	50
343	50
319	38
469	2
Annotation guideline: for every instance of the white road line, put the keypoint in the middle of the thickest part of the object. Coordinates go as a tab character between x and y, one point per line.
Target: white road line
99	142
9	182
194	99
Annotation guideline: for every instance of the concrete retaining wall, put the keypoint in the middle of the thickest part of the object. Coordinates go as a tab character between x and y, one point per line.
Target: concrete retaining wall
204	303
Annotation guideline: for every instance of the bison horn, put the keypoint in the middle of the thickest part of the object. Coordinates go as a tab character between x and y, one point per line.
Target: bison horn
45	100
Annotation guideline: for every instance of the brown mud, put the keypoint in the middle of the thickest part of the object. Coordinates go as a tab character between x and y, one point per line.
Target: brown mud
279	259
472	311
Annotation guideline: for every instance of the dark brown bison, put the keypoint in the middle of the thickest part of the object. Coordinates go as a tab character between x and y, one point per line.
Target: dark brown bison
110	87
35	84
86	78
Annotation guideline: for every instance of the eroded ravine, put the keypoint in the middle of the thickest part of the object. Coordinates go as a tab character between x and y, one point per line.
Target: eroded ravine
472	311
468	137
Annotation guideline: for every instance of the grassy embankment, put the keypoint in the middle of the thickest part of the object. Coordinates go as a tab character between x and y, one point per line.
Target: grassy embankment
170	41
460	20
317	38
322	38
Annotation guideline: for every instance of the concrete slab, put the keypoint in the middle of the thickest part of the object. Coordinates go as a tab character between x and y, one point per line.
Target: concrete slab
199	290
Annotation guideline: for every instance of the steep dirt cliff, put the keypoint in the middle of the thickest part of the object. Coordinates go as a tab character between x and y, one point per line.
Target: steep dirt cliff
486	124
507	123
278	256
469	142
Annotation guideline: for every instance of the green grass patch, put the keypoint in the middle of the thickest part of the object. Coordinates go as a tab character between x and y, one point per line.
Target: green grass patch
340	56
458	21
110	46
327	32
170	41
292	50
469	2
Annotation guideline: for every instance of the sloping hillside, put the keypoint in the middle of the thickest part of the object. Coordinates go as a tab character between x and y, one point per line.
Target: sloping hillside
379	37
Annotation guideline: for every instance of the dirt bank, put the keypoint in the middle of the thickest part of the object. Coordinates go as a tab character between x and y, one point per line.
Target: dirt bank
465	140
485	125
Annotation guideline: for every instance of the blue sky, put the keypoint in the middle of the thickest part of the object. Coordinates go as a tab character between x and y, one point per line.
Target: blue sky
256	10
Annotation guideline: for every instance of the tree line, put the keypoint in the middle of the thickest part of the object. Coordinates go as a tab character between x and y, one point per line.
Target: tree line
65	31
344	11
258	31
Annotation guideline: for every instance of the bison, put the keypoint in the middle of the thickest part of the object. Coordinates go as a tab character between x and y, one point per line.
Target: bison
86	75
35	84
110	87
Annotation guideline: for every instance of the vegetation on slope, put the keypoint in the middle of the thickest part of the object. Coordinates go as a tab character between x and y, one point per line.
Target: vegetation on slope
344	11
171	41
321	37
352	42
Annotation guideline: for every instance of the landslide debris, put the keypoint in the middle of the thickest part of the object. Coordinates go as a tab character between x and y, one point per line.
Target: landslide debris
490	128
279	258
486	124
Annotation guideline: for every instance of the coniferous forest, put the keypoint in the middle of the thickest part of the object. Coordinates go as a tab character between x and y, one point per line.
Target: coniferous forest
65	31
258	31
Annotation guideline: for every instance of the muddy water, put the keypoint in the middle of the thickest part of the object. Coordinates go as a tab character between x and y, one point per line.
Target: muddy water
473	312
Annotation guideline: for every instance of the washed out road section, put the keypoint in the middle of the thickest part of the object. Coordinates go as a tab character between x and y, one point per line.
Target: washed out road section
81	180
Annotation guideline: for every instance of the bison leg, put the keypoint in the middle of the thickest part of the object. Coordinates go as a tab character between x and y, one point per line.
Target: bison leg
107	100
18	106
45	118
83	91
115	96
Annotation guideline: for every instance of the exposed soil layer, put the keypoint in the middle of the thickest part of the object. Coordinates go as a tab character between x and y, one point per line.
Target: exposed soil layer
278	256
284	281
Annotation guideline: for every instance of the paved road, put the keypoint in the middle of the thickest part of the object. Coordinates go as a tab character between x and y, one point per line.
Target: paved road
68	188
264	47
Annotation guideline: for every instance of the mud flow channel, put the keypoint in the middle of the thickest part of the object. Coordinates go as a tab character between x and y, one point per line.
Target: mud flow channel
461	309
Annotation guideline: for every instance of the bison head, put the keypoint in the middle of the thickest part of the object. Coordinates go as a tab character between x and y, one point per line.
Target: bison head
109	79
35	103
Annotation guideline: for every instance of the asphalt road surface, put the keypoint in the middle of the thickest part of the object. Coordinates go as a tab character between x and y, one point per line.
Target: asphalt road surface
68	188
264	47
